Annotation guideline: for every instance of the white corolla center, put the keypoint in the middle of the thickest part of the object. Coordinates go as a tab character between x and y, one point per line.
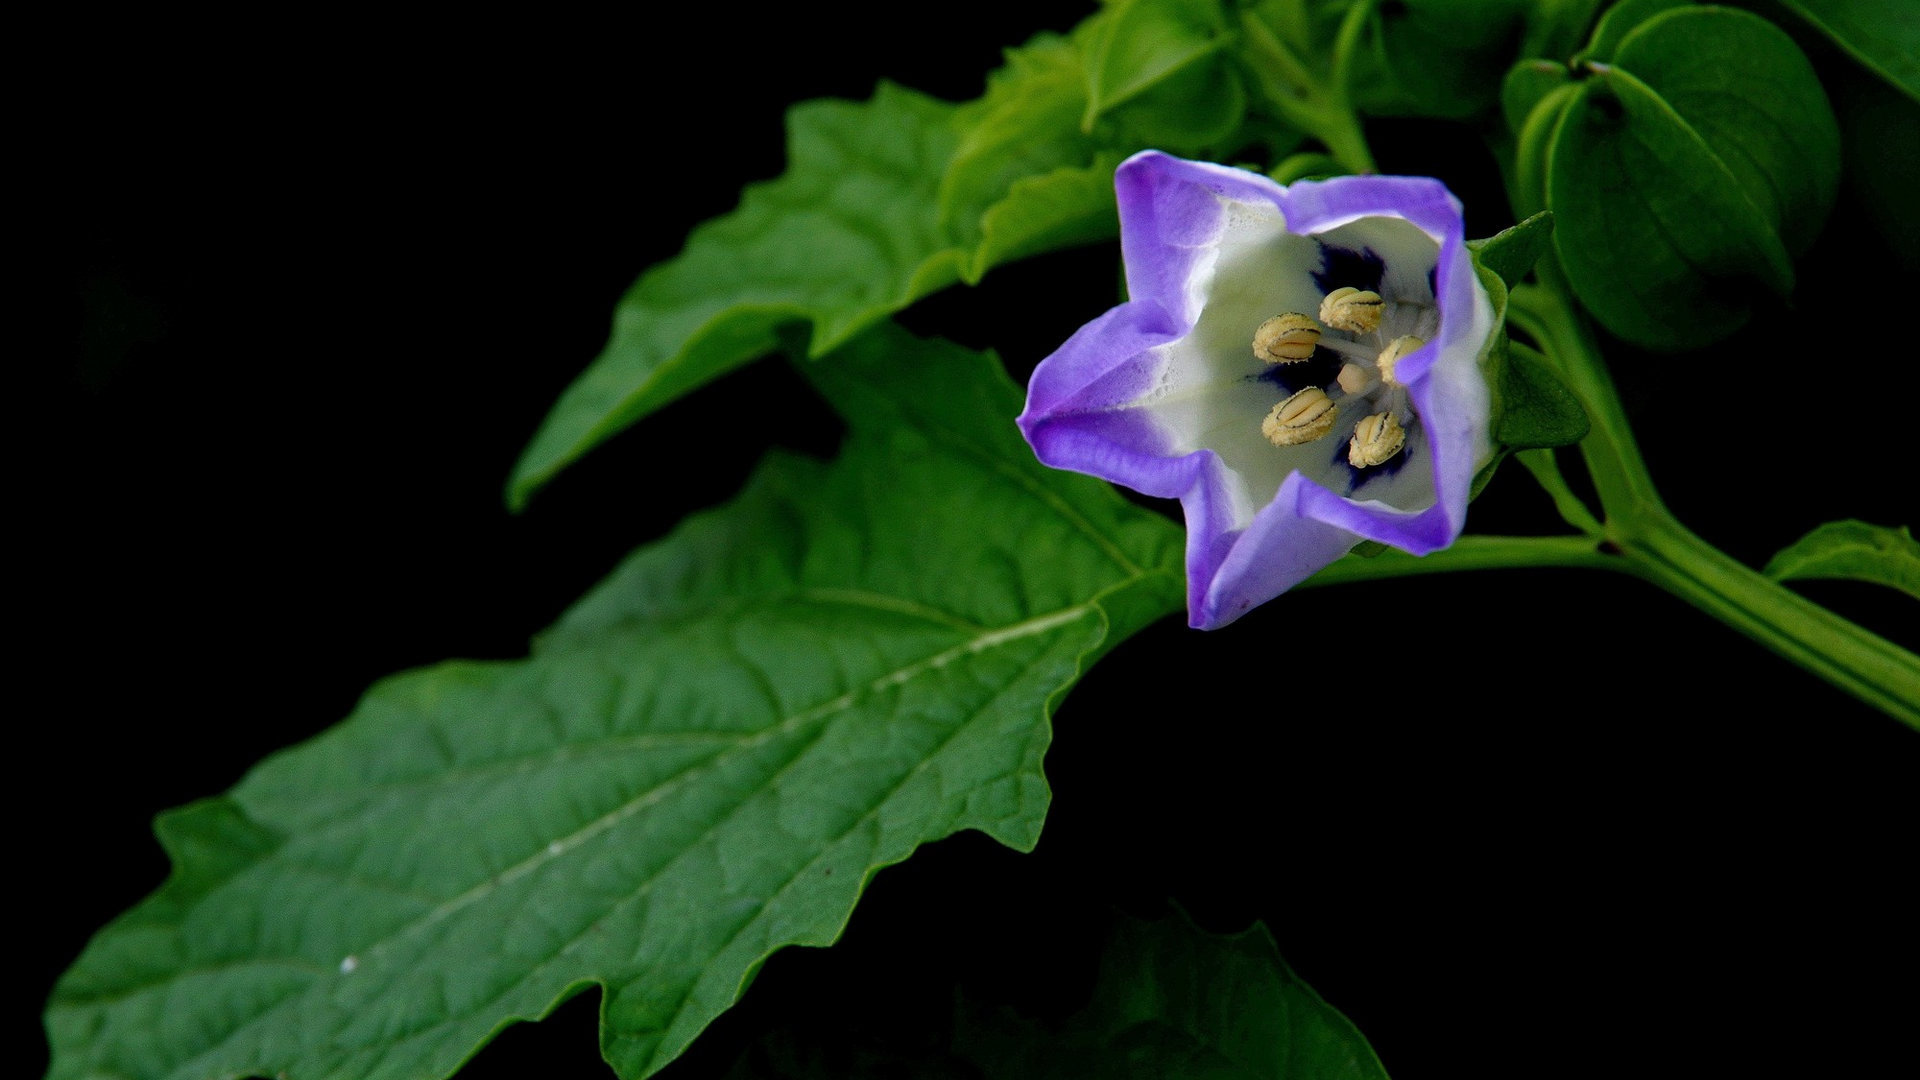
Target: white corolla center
1329	317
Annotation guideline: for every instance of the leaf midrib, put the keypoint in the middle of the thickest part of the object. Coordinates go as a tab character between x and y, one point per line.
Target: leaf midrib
795	722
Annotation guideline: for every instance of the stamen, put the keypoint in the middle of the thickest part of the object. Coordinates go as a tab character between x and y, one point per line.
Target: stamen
1354	310
1302	418
1349	348
1355	378
1397	349
1286	339
1376	439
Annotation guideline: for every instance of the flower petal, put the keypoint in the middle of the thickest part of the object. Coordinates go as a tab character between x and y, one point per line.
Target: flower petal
1163	395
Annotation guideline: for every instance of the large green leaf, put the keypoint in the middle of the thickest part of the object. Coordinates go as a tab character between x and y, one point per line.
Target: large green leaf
1173	1003
1687	171
848	235
702	762
882	203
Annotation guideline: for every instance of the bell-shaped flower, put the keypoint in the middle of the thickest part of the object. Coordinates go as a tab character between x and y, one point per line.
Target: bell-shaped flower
1299	366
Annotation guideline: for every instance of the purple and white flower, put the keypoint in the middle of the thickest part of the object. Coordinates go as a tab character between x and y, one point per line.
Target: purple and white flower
1291	426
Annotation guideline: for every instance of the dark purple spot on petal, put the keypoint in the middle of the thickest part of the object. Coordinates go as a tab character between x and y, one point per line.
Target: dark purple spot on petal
1358	478
1340	267
1319	370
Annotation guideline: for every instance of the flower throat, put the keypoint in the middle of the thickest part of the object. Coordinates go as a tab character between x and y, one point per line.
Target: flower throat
1382	333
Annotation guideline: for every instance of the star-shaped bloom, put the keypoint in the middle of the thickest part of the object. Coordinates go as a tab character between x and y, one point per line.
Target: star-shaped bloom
1299	366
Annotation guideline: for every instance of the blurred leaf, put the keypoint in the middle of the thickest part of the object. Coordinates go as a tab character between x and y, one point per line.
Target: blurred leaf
1137	44
1556	27
1684	175
1880	143
1307	166
1197	111
1065	207
1855	551
702	762
1438	58
1883	35
1027	124
1172	1003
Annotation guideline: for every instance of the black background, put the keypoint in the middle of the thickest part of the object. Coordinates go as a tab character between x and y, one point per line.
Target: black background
308	294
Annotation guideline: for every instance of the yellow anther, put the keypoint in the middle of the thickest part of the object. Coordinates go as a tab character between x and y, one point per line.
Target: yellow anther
1302	418
1376	438
1397	349
1286	339
1351	309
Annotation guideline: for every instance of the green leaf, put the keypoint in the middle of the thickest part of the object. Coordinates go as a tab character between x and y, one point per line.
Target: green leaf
1617	22
1056	210
1855	551
1527	84
1555	27
1307	166
1198	111
1537	411
1532	407
1533	146
1511	252
1175	1002
847	236
1026	125
1135	45
1684	175
1882	35
1756	102
702	762
882	203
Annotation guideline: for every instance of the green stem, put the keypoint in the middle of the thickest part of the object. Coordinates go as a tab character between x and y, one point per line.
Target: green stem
1299	82
1471	553
1303	98
1871	668
1648	542
1546	471
1345	42
1613	458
